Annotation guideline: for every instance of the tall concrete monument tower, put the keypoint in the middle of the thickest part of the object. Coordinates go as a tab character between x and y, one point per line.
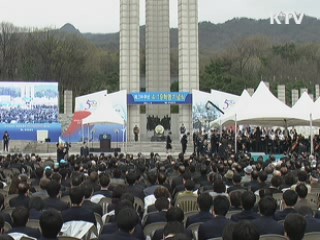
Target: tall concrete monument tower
157	52
130	56
158	56
188	55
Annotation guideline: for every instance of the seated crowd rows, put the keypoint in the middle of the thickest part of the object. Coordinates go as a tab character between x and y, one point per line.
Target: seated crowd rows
145	197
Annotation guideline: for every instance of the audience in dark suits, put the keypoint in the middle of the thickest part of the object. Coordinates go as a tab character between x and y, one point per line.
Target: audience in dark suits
22	199
53	201
50	223
76	212
20	216
104	181
204	202
162	205
266	223
248	200
290	198
36	206
87	204
294	226
214	227
127	219
313	224
245	230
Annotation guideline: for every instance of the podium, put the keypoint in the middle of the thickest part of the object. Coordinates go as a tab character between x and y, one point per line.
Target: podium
105	142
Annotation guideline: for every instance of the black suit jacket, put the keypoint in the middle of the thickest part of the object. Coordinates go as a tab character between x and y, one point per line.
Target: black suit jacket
118	235
212	228
281	215
156	217
32	232
267	225
106	193
20	200
136	191
313	224
158	234
199	217
55	203
112	228
92	207
78	214
244	215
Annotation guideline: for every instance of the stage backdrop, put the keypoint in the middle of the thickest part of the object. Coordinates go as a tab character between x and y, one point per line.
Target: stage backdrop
29	110
207	107
108	109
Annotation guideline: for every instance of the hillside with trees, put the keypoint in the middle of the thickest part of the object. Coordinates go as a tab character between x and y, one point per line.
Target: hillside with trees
234	55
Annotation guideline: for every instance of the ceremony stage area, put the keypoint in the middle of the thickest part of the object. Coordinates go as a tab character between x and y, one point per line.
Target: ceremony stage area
45	149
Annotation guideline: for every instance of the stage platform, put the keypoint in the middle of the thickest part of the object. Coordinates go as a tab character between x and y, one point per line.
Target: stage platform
46	150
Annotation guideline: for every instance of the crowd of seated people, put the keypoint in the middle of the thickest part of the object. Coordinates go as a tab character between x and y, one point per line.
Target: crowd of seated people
38	114
122	196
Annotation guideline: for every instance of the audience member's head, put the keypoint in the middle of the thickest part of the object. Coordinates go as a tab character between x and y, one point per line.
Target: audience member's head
162	192
104	180
44	183
219	186
127	219
87	189
302	176
50	223
204	202
53	189
162	204
76	195
175	214
301	190
189	185
20	216
267	206
245	230
221	205
235	199
248	200
290	198
23	188
228	231
76	179
294	226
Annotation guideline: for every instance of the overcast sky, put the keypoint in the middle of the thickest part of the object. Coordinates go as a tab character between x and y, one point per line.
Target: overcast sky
102	16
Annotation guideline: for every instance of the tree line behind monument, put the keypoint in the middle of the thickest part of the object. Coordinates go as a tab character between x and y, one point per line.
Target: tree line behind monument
81	63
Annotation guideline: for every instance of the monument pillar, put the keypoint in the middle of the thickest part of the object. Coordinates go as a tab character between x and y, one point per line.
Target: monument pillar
130	57
188	55
157	53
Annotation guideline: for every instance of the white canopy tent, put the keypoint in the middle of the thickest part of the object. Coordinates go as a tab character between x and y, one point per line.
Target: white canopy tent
303	109
265	109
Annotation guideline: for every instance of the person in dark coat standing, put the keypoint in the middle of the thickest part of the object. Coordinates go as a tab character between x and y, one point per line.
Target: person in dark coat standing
184	142
168	142
6	139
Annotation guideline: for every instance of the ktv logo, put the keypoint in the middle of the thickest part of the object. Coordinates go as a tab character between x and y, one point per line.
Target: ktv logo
286	18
